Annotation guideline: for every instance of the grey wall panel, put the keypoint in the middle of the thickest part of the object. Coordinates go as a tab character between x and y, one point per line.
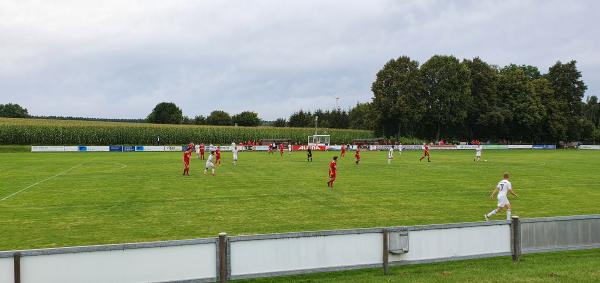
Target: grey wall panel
560	234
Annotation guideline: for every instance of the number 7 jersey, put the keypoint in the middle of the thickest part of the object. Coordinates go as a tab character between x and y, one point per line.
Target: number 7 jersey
503	187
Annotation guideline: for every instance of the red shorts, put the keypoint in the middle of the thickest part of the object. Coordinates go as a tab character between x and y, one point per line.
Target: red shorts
426	153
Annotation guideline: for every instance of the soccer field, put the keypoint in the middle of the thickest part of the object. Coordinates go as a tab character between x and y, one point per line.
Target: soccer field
66	199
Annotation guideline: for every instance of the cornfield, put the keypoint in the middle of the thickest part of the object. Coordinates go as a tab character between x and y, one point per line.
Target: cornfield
63	132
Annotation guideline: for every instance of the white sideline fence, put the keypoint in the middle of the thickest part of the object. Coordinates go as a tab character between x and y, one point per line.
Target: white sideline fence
223	258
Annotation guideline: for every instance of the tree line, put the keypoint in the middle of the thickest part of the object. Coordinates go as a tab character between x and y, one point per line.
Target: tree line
169	113
470	99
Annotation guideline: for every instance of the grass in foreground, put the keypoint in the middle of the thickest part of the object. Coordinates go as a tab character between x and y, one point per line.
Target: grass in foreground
574	266
68	199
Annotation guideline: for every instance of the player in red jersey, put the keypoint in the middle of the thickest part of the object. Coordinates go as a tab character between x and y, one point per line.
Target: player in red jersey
332	171
270	148
357	154
186	159
218	156
281	149
425	153
343	151
201	151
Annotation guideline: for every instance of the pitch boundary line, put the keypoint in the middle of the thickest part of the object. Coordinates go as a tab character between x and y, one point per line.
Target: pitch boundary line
39	182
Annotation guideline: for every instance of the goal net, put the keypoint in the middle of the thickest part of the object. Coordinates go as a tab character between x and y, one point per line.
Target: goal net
319	139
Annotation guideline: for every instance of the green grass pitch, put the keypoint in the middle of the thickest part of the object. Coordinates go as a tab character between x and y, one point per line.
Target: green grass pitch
67	199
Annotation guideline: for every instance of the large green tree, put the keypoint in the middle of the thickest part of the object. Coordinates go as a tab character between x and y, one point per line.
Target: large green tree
219	117
200	120
485	119
447	92
526	109
592	110
569	88
360	117
246	118
165	113
301	119
398	104
13	110
280	122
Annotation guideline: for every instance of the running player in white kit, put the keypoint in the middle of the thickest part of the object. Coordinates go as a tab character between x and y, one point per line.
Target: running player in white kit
399	150
503	188
390	154
209	163
234	150
478	153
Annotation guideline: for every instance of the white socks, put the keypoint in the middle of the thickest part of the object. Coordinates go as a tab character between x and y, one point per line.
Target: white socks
493	212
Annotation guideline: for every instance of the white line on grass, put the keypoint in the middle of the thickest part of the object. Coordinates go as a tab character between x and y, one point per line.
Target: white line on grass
39	182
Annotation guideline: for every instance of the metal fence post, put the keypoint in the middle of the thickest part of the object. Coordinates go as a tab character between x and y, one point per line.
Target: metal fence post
17	267
515	238
223	262
386	251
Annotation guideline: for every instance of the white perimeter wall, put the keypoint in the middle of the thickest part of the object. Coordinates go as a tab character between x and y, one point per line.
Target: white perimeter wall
131	265
290	254
256	256
6	270
456	242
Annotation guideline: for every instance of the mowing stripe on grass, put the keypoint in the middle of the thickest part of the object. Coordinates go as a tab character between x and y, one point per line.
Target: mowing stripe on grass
39	182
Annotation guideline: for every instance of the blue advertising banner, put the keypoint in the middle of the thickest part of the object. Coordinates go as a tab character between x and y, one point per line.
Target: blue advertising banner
116	148
82	148
544	146
139	148
128	148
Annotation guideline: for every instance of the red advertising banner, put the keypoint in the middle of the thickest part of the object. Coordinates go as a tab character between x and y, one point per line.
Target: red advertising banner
305	147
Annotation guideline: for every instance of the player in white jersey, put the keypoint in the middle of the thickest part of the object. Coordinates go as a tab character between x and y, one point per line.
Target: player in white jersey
289	148
390	154
503	188
478	153
209	163
234	150
399	149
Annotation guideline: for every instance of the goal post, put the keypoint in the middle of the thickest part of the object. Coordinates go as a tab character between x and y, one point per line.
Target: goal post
319	140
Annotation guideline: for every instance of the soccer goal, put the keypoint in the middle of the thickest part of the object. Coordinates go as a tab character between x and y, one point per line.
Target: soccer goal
319	139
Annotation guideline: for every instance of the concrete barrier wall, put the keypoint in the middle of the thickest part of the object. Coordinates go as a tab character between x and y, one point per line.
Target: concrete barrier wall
6	270
145	262
456	241
265	255
560	233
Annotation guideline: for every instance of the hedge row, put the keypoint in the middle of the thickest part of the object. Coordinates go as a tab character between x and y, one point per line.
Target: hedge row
62	132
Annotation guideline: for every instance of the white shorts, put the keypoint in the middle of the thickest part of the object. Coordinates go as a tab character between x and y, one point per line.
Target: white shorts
502	201
478	154
235	157
210	165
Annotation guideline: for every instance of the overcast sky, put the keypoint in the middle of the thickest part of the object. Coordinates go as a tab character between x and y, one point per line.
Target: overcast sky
118	59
